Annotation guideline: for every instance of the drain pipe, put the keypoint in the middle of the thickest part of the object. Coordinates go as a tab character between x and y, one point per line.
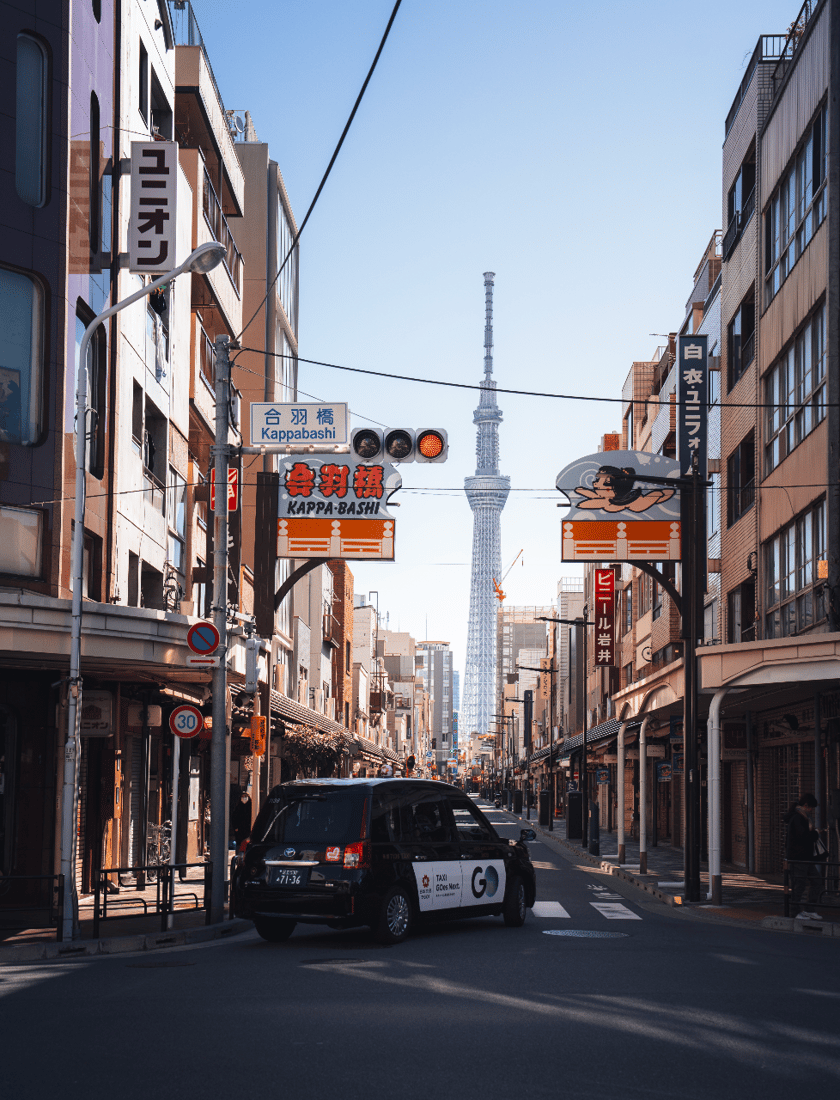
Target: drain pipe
643	796
713	774
619	772
750	798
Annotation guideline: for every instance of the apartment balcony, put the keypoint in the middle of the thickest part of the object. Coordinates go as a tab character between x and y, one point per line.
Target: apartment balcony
202	393
200	118
223	283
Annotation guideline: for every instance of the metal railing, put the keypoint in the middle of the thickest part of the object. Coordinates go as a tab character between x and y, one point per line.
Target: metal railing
830	878
32	901
791	42
165	897
221	232
768	48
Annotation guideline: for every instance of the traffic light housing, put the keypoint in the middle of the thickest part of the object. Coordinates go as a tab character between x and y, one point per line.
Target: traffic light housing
400	444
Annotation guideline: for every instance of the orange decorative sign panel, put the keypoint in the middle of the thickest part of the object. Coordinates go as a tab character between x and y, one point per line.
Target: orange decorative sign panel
339	537
624	506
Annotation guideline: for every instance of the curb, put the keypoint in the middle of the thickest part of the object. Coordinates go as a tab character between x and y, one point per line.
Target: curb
118	945
774	924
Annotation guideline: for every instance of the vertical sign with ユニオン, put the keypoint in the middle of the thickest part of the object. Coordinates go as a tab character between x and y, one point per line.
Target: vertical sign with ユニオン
604	618
692	404
151	227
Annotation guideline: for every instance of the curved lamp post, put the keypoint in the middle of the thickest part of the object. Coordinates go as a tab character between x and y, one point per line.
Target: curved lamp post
201	260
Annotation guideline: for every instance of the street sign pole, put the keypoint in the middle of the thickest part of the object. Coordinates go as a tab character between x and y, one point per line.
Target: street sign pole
219	790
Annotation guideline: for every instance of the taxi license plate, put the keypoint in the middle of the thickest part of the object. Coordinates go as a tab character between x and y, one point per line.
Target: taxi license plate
289	876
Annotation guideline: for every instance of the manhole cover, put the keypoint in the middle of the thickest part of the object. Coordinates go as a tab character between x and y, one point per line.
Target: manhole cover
580	934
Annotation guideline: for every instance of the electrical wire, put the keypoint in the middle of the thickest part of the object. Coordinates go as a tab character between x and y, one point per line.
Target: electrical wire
325	177
528	393
423	490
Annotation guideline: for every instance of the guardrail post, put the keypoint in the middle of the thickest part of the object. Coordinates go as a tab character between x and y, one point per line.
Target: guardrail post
208	891
60	926
97	886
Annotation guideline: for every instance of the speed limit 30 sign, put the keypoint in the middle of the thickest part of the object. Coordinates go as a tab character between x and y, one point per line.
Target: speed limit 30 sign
186	721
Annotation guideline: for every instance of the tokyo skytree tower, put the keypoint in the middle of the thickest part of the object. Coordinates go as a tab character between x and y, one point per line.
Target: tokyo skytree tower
487	493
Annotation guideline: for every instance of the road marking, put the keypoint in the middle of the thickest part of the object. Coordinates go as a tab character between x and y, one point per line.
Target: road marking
613	911
550	909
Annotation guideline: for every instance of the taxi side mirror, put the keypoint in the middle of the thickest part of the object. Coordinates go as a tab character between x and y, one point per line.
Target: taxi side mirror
527	834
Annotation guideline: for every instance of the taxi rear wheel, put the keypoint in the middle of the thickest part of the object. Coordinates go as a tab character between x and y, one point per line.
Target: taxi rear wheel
515	908
396	917
274	930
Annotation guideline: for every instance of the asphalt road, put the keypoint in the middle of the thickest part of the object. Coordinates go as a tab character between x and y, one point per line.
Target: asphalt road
630	999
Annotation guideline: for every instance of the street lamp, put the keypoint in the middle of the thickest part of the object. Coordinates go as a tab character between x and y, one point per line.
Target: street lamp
584	622
201	260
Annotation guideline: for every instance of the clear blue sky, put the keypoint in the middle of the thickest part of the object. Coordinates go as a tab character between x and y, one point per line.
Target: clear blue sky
575	150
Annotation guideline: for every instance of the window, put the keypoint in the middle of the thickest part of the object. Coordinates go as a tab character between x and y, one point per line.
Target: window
176	510
287	286
137	418
468	824
797	209
741	625
740	476
20	541
628	674
161	111
793	597
151	587
710	622
21	367
794	392
740	204
143	84
133	580
31	105
97	369
741	339
713	505
628	609
94	169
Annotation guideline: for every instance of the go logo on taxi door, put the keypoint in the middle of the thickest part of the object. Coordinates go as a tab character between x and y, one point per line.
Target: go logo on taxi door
485	880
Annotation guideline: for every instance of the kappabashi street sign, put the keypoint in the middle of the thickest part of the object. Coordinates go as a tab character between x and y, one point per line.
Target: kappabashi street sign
335	506
615	514
281	424
186	721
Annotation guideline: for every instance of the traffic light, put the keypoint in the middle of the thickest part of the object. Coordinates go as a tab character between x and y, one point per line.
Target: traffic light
434	742
400	444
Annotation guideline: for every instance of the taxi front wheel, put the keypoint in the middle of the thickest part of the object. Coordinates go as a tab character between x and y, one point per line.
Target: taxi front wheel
515	910
274	930
396	917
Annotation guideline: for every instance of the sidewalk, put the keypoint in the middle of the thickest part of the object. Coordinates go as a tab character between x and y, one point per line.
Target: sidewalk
750	899
131	925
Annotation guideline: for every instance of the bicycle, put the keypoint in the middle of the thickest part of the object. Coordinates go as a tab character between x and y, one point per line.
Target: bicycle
158	849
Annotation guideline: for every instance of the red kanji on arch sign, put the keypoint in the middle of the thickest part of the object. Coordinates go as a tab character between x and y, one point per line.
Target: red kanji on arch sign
604	618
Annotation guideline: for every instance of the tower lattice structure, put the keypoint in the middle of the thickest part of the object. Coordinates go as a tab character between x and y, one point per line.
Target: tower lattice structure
487	493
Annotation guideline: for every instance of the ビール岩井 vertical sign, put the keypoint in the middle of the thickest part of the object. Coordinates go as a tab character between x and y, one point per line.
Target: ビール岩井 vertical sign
604	618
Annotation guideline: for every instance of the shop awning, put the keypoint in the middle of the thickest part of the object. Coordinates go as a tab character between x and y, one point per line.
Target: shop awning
602	732
304	716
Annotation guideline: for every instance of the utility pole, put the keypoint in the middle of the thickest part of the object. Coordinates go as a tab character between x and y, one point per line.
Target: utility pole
694	545
219	790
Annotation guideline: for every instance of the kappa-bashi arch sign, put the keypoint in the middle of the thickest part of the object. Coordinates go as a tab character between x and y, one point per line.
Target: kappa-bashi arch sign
622	508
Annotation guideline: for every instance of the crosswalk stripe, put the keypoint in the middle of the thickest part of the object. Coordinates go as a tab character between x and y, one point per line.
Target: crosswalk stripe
550	909
614	911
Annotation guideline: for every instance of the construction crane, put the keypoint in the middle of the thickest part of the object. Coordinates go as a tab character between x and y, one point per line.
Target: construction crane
497	585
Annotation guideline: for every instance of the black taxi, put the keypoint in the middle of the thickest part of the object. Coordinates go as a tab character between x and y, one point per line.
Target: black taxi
379	852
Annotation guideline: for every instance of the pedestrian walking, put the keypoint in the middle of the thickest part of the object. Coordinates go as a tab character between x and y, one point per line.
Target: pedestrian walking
800	852
240	820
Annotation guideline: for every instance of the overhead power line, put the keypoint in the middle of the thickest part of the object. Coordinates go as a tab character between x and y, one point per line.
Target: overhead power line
666	403
333	159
